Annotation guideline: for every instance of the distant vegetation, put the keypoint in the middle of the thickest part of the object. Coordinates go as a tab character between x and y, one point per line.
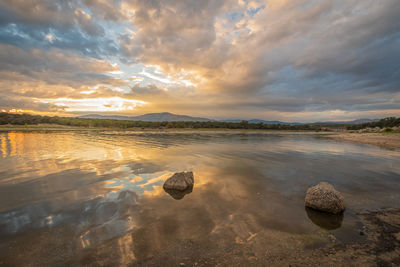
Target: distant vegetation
26	119
383	123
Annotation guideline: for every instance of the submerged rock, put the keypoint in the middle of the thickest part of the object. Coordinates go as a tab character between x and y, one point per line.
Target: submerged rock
179	181
324	197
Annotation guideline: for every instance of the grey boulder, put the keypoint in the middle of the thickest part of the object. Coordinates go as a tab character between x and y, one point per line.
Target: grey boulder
179	181
324	197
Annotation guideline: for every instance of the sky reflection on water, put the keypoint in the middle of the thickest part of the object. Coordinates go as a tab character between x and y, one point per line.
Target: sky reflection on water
98	195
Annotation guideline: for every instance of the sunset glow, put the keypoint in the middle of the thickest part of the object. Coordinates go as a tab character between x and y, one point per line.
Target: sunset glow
273	60
95	104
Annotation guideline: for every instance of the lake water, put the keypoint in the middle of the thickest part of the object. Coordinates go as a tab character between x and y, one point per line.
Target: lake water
96	198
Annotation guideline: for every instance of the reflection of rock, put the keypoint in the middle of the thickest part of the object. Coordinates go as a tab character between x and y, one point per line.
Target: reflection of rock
325	220
178	194
179	181
324	197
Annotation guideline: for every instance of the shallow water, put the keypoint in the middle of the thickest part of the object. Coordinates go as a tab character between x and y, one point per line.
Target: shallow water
76	198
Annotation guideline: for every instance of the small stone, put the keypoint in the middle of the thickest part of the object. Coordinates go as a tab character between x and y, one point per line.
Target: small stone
332	238
179	181
324	197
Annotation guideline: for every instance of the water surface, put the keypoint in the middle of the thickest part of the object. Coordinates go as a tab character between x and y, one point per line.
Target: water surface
76	198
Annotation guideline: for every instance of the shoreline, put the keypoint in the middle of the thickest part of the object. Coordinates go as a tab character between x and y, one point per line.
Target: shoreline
389	140
385	140
56	127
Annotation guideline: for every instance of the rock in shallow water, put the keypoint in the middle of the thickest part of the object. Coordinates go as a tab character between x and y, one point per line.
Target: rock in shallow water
179	181
324	197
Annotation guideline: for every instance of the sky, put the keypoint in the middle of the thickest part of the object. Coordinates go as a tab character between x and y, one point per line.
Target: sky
300	60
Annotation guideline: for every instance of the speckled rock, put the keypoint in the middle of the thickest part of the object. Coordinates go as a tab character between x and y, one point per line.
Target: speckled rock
180	181
324	197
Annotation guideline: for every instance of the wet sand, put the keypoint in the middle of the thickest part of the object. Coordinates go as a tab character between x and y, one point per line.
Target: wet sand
391	141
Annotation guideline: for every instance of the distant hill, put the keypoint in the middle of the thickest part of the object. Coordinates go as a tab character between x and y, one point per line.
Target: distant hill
359	121
164	116
263	121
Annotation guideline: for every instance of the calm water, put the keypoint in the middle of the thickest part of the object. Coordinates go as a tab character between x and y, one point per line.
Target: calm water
77	198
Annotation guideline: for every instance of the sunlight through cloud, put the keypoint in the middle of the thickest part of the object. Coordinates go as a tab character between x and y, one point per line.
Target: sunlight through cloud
95	104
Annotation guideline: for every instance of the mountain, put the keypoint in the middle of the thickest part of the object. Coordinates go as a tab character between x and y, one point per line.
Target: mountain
164	116
263	121
359	121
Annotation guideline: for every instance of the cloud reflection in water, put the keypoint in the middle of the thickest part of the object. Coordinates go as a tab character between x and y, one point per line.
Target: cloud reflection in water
71	194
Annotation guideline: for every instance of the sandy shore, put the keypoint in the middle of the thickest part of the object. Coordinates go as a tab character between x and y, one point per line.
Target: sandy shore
391	140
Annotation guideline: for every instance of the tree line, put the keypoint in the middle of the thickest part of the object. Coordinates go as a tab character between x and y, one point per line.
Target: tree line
383	123
27	119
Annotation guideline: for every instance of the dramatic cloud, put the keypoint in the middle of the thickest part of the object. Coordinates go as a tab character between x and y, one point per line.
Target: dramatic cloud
275	59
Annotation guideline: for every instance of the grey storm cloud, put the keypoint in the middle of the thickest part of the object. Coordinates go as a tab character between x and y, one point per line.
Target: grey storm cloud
172	31
64	67
149	90
9	102
61	24
60	14
356	38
